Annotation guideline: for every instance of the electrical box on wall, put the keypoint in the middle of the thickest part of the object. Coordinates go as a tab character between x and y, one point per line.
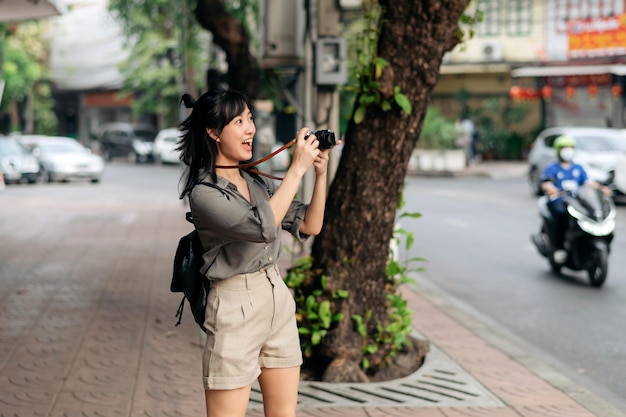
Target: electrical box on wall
282	33
330	61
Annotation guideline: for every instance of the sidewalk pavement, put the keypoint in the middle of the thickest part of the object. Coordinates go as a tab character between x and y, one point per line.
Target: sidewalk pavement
87	327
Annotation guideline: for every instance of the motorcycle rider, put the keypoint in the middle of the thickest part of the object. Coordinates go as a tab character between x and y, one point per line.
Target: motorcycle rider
561	176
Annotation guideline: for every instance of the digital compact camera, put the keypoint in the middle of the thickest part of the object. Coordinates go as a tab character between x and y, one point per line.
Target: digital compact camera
325	137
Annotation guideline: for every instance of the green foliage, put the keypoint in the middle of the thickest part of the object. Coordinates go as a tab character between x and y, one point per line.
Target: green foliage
46	122
500	123
25	71
20	74
163	41
438	132
393	333
368	346
314	310
368	68
315	314
467	22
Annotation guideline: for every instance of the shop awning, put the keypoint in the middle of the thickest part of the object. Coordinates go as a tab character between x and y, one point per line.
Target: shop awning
18	10
565	70
452	69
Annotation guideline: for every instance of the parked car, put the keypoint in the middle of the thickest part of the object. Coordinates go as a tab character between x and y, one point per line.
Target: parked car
597	150
16	163
134	142
165	145
64	159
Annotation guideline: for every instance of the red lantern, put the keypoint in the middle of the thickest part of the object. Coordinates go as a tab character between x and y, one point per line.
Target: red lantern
516	92
616	91
592	90
570	92
546	92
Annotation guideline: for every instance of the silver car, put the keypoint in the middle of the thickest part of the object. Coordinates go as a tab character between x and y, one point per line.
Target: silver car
64	159
597	150
16	164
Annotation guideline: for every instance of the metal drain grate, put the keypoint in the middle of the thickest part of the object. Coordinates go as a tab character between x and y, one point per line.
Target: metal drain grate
440	382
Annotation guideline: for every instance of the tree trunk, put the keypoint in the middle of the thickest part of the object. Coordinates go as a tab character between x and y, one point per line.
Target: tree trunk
230	35
353	248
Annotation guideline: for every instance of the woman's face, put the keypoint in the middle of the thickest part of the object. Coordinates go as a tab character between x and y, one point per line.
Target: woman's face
235	142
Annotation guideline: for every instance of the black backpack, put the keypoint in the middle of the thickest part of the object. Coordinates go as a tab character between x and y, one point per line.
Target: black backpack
188	279
186	275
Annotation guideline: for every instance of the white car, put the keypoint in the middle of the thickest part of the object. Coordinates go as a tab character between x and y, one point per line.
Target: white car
597	150
64	159
165	145
16	164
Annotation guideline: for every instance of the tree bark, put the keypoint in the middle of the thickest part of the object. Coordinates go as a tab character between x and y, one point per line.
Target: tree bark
353	248
231	36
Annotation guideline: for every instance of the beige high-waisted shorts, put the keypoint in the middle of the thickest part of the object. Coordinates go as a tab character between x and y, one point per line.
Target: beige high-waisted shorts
251	324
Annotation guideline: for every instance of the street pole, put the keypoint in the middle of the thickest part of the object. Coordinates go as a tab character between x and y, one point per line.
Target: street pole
321	103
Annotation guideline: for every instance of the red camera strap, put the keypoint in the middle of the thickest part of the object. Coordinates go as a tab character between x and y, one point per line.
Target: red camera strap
248	165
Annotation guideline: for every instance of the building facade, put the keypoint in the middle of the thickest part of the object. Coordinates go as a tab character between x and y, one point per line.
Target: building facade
538	63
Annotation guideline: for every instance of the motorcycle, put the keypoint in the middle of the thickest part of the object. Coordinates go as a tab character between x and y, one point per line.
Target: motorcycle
591	226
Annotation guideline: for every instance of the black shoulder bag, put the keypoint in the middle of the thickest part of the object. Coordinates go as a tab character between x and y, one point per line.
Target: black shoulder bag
188	279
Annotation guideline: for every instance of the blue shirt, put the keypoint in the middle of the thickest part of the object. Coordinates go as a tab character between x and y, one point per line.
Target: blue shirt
565	178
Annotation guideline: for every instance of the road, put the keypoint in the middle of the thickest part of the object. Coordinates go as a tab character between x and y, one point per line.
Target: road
475	235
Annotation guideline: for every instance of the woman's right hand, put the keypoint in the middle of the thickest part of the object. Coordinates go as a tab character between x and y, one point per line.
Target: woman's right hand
305	151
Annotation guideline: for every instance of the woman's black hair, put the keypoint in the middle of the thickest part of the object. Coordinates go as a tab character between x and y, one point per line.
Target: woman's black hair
212	111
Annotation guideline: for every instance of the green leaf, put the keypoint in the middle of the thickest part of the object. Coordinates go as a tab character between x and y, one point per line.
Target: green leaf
409	241
361	328
310	302
403	102
414	215
325	314
380	62
359	114
316	338
324	281
393	268
371	349
342	293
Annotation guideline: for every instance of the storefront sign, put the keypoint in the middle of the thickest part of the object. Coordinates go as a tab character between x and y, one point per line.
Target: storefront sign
597	37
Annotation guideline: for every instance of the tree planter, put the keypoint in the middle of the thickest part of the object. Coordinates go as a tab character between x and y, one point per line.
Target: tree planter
439	161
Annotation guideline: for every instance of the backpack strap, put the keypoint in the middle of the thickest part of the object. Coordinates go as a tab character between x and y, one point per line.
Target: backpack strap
188	216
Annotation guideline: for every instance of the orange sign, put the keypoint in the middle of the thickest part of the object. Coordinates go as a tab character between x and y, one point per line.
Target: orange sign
597	37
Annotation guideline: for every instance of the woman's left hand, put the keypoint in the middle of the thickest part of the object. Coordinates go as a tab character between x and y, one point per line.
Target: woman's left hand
321	163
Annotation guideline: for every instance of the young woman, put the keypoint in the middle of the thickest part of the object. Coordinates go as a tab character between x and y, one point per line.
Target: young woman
250	317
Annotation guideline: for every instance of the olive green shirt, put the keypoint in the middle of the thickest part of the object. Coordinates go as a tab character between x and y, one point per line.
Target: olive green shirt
240	236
